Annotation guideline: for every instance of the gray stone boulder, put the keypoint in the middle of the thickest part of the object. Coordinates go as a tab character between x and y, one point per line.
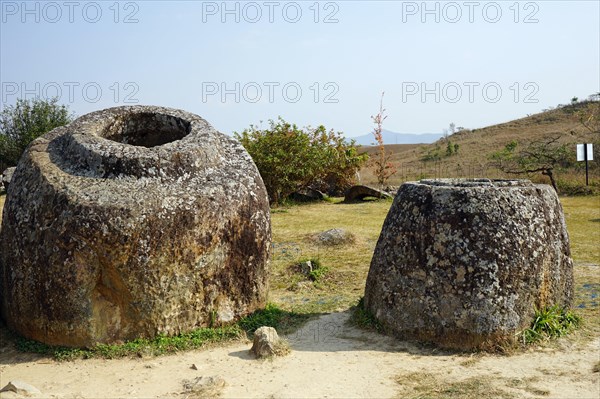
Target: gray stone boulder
265	343
132	222
359	193
463	263
333	237
7	177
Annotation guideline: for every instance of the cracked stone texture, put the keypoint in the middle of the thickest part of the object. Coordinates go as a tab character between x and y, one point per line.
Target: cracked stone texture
462	263
132	222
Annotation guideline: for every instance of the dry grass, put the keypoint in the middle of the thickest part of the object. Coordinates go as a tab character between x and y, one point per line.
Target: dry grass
282	348
582	215
422	385
477	145
347	265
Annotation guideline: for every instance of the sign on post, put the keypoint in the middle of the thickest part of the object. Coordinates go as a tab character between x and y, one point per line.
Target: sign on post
585	152
581	152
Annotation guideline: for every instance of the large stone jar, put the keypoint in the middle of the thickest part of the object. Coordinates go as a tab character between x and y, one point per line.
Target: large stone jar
132	222
463	263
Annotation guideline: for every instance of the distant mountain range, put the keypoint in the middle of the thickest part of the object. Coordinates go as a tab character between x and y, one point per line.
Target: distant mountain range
398	138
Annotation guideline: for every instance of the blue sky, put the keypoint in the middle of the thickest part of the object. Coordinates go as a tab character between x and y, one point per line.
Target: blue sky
239	63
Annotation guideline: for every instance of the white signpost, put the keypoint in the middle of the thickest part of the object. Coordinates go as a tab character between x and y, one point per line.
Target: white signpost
585	152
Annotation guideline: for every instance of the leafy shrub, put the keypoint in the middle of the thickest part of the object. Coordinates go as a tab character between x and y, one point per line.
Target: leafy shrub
25	121
290	159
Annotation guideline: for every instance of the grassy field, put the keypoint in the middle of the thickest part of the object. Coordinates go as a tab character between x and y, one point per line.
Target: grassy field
346	266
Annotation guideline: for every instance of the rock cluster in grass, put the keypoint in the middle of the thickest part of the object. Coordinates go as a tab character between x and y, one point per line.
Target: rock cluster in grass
333	237
463	263
132	222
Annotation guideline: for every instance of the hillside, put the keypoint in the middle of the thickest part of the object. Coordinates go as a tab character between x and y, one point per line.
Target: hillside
476	146
397	138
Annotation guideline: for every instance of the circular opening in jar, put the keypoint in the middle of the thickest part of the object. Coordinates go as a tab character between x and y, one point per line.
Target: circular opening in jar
146	129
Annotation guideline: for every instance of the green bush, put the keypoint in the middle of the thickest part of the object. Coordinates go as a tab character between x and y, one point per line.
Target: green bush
290	159
25	121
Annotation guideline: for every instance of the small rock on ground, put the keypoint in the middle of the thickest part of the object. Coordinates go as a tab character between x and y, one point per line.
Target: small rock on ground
265	342
21	388
203	387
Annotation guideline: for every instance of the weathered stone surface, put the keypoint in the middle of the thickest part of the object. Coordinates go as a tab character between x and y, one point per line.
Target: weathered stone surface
204	387
334	237
7	177
462	263
130	222
20	388
265	342
359	193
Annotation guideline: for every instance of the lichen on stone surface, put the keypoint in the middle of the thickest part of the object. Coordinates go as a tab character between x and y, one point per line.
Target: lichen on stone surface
130	222
462	263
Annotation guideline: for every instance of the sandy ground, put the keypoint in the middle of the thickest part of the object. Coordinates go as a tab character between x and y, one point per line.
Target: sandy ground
329	358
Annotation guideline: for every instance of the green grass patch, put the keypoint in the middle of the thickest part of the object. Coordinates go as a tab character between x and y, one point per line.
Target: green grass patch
364	319
272	316
317	271
283	321
550	322
157	346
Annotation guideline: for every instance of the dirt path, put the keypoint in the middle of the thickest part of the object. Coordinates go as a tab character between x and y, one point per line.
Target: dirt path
329	359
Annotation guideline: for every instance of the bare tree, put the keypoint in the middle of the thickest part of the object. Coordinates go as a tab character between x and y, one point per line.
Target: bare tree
541	156
384	168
